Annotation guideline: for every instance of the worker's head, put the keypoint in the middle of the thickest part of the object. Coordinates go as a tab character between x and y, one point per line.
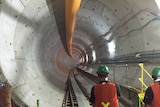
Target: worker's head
156	73
103	71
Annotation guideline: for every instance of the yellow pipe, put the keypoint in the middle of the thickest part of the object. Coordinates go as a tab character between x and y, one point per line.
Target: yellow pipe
142	78
141	65
71	10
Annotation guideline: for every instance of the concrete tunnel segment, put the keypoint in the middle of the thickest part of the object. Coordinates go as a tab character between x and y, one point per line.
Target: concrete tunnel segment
29	51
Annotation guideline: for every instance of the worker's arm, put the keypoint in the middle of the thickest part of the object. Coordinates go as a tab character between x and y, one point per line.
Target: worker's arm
6	92
92	97
118	90
148	97
147	105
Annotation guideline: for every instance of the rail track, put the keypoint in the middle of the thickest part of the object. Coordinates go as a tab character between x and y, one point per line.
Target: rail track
70	97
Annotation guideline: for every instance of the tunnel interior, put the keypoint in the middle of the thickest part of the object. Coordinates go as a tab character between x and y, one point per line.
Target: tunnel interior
33	55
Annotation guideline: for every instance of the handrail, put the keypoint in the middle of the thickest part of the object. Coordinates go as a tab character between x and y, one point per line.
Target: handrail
142	76
141	94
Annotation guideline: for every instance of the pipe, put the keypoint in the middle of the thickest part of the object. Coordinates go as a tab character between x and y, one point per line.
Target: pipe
71	10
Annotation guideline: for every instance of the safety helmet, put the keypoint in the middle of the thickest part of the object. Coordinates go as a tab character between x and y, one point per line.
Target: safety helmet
156	73
102	69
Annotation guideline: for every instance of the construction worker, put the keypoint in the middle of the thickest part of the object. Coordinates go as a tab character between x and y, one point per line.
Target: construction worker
105	93
152	95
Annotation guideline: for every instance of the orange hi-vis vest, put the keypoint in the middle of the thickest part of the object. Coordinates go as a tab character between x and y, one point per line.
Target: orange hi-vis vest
156	92
105	95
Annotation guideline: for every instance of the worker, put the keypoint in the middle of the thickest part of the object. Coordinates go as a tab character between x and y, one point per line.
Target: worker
105	93
6	92
152	94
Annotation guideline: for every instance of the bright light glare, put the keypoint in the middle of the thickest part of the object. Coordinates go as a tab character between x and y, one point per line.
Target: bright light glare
87	57
94	55
158	3
111	47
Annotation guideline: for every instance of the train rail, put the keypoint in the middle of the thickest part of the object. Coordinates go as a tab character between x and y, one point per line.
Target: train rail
70	97
83	89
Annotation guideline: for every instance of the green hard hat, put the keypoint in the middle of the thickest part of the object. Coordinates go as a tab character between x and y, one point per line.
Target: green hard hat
156	73
103	69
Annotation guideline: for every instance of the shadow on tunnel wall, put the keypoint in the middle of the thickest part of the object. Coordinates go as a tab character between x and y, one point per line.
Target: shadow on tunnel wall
14	14
57	9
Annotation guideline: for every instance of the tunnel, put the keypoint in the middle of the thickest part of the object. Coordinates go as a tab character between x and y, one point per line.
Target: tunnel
34	55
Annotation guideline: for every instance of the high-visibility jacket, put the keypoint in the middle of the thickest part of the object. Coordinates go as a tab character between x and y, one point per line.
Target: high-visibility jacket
105	95
156	92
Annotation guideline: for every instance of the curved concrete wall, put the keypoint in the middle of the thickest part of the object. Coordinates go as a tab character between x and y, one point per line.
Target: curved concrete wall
34	61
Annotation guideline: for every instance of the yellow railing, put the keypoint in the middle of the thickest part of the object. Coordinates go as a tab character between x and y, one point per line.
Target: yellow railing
142	77
141	94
